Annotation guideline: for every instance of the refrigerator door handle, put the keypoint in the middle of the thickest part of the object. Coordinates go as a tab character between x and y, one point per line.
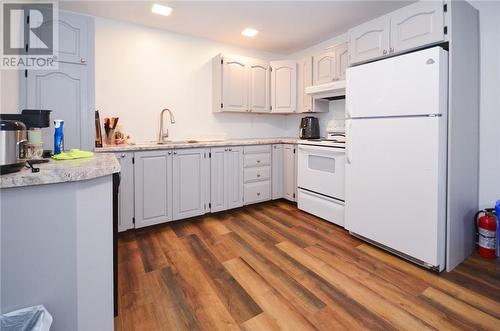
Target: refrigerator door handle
347	149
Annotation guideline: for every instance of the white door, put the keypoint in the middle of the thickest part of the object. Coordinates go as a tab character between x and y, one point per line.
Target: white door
234	85
218	173
126	192
153	187
277	171
396	184
190	169
234	177
416	25
406	85
259	87
64	91
342	60
369	40
305	101
289	172
324	67
284	86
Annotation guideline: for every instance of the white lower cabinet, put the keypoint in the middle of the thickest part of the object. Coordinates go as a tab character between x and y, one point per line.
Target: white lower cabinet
278	172
190	176
257	162
289	172
226	178
126	192
153	187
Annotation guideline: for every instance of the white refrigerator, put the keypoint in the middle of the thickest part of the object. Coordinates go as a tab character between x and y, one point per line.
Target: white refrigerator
396	154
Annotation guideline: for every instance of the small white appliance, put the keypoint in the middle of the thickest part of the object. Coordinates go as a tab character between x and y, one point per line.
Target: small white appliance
320	179
396	154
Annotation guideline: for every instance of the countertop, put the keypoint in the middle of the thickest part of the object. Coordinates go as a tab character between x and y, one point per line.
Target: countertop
101	164
203	144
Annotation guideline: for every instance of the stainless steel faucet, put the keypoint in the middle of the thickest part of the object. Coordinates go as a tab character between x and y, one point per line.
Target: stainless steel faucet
161	135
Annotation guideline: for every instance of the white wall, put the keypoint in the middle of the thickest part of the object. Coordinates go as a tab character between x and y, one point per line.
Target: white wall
141	70
489	162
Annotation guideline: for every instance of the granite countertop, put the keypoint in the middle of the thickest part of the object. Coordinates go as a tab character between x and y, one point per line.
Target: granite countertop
202	144
53	172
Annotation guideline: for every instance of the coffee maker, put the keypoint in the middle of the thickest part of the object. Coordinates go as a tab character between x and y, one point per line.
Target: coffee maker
22	138
309	128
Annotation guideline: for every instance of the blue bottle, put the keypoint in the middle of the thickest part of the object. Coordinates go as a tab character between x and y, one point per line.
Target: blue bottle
497	211
58	136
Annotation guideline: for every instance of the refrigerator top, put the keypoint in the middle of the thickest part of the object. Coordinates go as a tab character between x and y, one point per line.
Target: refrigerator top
413	84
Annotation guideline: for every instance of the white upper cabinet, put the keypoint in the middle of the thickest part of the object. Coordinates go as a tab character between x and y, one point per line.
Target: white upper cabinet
234	85
259	87
369	40
305	101
324	67
342	55
410	27
190	169
283	86
418	24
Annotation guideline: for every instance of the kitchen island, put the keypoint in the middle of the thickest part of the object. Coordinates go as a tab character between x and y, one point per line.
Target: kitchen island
57	241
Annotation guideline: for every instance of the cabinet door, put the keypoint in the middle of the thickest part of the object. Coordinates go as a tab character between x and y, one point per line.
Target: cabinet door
65	92
305	79
324	67
342	60
259	87
416	25
289	172
218	173
153	187
234	177
74	31
126	192
369	40
284	86
234	85
277	172
189	169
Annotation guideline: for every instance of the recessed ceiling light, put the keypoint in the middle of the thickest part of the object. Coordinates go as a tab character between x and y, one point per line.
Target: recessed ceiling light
161	10
249	32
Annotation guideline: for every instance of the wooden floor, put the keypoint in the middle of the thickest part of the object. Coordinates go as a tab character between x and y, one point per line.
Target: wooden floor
273	267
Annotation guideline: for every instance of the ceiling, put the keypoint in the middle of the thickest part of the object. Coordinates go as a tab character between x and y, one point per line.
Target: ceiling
285	26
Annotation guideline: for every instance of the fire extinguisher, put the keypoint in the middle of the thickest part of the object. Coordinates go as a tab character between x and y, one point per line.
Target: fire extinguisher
486	228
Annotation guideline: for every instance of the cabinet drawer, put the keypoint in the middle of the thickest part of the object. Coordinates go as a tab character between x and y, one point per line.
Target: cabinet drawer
257	149
257	160
257	192
257	174
322	206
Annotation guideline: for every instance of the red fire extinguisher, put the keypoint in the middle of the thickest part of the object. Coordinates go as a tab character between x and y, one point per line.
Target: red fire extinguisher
486	227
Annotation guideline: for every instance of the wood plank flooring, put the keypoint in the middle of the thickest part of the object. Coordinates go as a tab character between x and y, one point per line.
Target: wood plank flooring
273	267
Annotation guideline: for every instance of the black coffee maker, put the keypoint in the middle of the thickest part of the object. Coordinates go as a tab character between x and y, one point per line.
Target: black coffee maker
309	128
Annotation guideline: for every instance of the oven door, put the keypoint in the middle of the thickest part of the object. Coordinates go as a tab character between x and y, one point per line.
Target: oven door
321	170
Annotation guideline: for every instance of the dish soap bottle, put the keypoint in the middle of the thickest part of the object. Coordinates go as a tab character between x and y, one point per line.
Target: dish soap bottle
58	136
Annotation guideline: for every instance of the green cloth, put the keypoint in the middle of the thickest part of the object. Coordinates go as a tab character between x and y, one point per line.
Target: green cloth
72	154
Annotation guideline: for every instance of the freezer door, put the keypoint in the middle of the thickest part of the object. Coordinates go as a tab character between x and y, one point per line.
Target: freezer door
408	85
395	191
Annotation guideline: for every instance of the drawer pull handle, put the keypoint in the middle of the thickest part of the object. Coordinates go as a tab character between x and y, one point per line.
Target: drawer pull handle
258	193
258	161
258	175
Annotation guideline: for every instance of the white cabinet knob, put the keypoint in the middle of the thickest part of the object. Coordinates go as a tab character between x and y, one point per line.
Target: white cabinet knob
384	52
83	60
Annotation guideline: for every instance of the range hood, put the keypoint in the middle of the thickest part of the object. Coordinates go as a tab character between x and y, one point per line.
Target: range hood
329	91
